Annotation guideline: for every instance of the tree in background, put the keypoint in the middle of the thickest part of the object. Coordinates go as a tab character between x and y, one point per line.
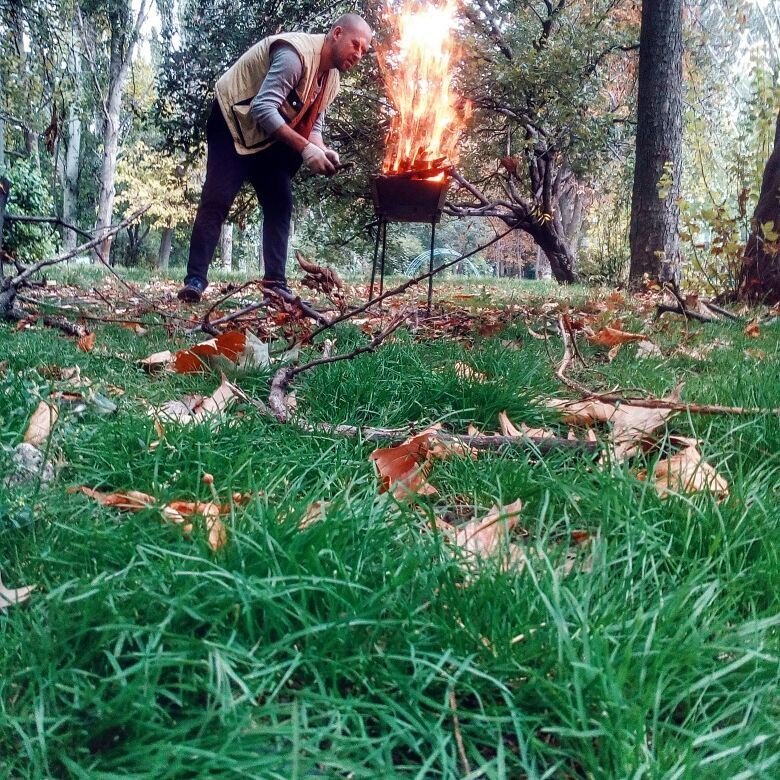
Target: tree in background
539	76
760	276
146	176
654	219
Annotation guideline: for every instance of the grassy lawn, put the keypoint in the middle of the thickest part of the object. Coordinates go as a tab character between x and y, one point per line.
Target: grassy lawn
359	646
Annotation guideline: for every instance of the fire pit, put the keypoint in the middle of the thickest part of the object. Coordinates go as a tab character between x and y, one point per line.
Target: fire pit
401	198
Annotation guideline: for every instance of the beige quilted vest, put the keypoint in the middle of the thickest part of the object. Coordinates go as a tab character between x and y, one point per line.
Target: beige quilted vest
238	86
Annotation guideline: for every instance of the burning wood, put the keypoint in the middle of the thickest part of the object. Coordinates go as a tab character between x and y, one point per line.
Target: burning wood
417	72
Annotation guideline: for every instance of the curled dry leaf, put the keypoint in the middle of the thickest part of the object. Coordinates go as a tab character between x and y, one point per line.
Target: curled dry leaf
41	423
196	408
87	342
647	349
752	330
131	500
509	429
484	537
404	468
11	596
687	472
157	361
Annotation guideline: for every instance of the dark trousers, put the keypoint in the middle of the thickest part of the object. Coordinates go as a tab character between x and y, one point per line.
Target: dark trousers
270	172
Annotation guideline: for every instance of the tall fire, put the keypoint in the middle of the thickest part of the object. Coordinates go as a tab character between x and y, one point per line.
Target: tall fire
417	73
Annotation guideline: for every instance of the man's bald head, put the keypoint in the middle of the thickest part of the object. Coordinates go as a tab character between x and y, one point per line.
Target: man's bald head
347	41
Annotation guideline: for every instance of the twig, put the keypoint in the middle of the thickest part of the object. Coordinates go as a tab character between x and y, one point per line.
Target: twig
663	308
208	326
17	280
723	312
50	220
458	736
284	376
648	403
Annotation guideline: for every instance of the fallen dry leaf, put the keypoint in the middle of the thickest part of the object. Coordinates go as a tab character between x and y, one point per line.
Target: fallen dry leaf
509	429
752	330
41	423
11	596
131	500
404	468
484	537
468	374
611	337
647	349
315	512
686	472
87	342
178	512
196	408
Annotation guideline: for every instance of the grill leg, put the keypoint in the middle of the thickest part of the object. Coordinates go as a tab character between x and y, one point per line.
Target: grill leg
382	263
376	256
430	267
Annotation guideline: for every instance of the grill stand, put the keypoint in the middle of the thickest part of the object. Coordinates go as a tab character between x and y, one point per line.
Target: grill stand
402	199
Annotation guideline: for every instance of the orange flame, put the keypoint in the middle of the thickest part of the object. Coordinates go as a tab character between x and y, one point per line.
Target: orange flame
417	72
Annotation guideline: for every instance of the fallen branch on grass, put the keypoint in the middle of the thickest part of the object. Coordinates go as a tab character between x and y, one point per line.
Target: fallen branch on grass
648	403
10	286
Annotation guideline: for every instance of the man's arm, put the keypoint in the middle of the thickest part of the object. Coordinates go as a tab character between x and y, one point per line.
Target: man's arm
283	76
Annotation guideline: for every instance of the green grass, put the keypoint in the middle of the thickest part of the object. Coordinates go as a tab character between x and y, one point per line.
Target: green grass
334	651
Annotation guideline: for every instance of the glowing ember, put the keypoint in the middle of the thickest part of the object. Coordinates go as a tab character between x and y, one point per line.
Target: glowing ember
417	73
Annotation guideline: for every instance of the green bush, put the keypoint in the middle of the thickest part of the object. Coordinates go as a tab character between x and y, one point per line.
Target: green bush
29	196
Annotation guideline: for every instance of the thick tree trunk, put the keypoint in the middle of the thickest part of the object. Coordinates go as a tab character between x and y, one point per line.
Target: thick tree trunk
551	238
2	130
654	220
760	273
166	242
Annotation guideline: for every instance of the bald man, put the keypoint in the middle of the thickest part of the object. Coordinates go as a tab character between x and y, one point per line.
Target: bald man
267	120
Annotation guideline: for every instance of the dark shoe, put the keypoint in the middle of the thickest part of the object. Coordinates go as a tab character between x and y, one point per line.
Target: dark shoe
192	291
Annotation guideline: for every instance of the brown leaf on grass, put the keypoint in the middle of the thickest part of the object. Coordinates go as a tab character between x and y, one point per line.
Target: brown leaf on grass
41	423
179	512
630	424
647	349
404	468
489	536
11	596
315	512
508	428
228	345
208	510
752	330
686	472
129	500
87	342
196	408
612	337
467	373
157	361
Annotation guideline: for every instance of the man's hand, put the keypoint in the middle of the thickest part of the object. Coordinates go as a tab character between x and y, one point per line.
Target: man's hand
333	156
317	160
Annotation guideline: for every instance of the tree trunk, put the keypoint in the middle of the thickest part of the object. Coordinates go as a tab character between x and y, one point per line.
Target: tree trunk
760	273
226	245
70	173
166	243
122	46
654	219
2	130
551	238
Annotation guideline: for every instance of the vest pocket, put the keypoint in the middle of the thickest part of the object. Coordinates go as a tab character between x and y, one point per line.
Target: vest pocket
246	125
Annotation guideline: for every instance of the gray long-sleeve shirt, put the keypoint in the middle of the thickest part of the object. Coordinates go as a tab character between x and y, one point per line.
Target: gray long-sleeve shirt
283	76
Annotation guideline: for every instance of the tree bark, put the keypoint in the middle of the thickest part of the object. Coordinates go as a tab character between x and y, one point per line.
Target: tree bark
226	245
122	46
551	238
760	272
70	173
654	220
166	243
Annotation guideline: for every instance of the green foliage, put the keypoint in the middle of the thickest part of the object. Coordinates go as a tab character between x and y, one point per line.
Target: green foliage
29	196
